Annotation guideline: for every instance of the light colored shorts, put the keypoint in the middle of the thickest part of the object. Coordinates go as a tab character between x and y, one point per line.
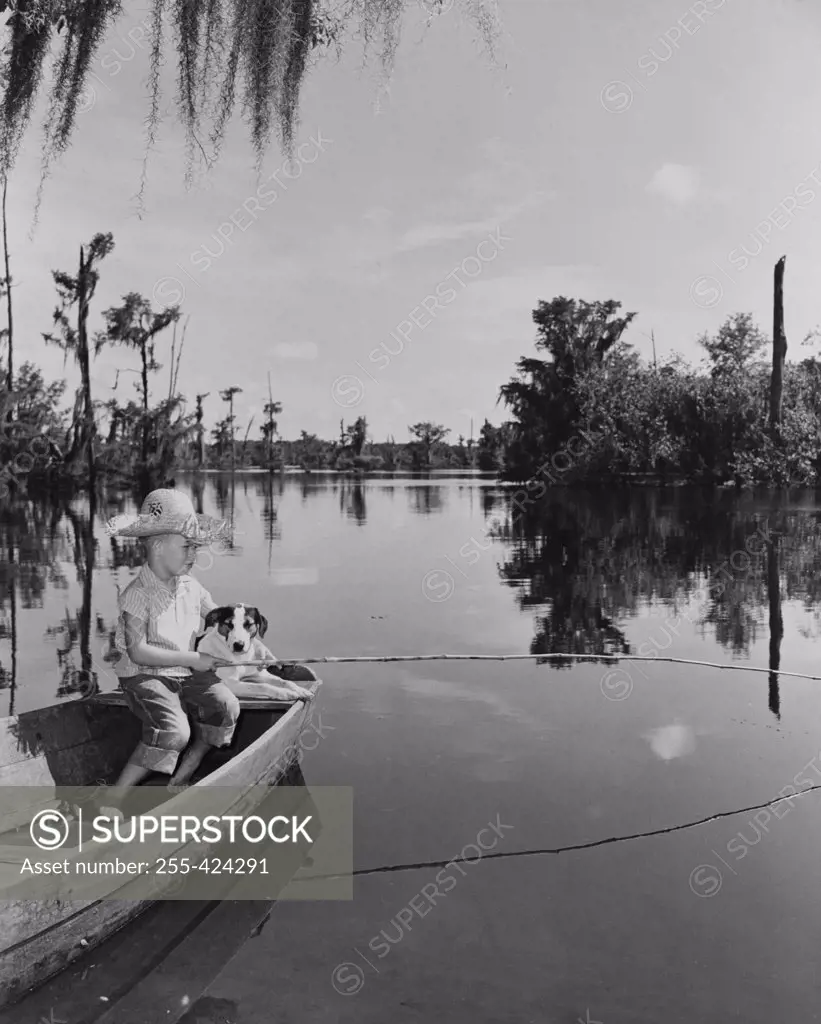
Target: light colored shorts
163	704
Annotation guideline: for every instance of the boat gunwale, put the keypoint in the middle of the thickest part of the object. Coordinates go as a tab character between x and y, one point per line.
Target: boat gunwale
298	708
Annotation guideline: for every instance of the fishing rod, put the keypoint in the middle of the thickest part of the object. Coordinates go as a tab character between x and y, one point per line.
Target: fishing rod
375	659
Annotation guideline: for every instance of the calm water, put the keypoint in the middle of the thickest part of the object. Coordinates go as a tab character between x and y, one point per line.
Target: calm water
713	922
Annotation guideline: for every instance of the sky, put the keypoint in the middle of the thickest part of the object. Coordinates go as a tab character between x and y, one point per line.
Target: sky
647	151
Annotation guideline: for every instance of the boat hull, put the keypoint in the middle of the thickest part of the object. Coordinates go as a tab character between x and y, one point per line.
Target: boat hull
39	938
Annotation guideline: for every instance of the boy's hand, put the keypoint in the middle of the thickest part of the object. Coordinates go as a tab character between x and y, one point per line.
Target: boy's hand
207	663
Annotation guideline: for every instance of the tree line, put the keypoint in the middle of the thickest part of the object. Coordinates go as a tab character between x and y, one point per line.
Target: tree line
592	410
145	437
595	411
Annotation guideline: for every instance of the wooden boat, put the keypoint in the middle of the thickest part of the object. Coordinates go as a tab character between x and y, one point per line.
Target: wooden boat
159	967
80	743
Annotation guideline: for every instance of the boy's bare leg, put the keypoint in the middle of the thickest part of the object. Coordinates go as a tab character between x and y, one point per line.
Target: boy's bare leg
191	760
132	775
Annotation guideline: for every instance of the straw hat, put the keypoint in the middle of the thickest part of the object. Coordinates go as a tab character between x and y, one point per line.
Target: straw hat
168	511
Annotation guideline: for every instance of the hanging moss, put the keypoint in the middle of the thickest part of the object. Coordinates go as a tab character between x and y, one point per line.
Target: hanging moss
86	24
265	45
22	70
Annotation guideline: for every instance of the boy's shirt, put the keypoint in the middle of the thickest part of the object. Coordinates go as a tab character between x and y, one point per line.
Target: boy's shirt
170	614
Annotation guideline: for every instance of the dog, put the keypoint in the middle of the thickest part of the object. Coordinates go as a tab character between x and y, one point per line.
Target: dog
234	633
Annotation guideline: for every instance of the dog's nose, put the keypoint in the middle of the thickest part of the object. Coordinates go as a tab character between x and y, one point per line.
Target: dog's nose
238	646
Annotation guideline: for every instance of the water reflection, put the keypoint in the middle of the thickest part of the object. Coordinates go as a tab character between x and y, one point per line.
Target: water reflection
672	741
776	623
426	500
269	487
352	502
197	489
583	565
589	562
8	630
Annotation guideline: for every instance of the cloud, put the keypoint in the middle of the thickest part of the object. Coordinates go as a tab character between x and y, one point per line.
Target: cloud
502	305
504	170
484	198
436	232
296	350
502	175
675	182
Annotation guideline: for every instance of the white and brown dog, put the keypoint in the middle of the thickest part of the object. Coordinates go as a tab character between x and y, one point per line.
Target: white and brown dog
234	633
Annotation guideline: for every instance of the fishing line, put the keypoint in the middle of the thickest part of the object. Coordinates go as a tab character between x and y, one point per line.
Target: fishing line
391	868
330	660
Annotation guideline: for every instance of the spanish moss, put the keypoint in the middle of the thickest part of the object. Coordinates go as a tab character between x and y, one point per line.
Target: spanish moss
187	25
261	48
22	70
86	26
153	120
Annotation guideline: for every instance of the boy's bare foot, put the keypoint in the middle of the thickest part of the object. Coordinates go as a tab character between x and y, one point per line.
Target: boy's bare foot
177	787
109	811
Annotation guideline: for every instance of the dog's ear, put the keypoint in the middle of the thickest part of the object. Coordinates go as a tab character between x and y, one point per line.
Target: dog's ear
212	618
261	621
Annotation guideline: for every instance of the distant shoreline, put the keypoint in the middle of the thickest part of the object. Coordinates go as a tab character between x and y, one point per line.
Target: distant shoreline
638	480
298	471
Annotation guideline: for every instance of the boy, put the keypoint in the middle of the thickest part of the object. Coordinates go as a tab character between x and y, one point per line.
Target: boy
160	612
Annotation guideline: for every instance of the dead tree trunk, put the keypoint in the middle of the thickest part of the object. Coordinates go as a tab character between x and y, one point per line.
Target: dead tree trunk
779	346
88	427
200	431
245	442
269	437
10	367
13	634
146	424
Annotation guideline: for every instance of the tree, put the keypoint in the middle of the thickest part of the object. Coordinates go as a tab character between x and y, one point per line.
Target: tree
779	347
5	284
426	437
223	434
135	325
174	369
220	45
228	396
735	346
577	336
357	435
730	401
31	443
115	413
36	403
79	291
390	454
269	427
199	430
311	452
245	440
490	450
